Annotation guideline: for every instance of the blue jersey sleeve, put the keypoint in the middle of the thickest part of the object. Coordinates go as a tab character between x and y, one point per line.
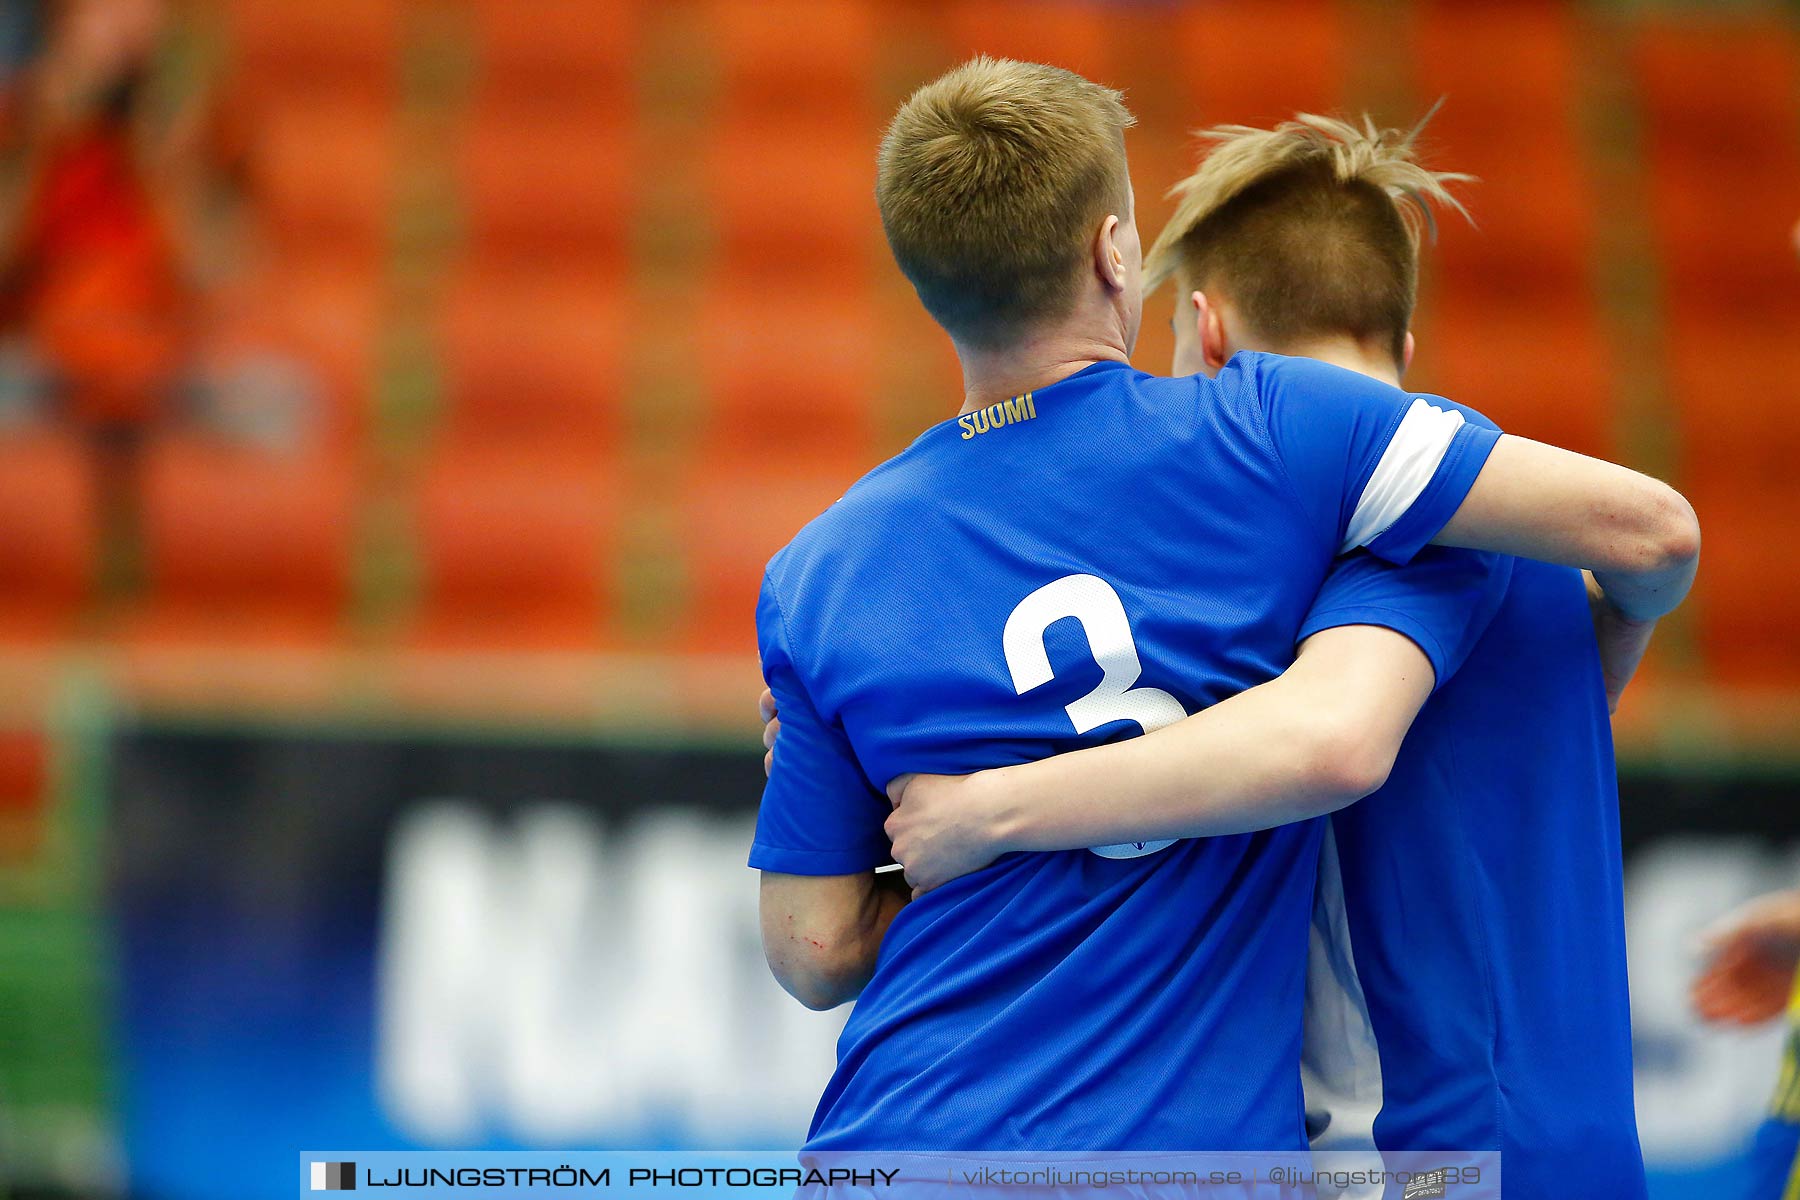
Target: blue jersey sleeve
1443	600
1373	466
820	815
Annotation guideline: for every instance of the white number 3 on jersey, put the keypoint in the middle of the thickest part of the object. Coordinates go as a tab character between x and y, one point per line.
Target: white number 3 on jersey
1093	602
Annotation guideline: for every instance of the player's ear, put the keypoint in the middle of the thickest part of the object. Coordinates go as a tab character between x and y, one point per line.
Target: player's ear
1406	352
1215	350
1109	256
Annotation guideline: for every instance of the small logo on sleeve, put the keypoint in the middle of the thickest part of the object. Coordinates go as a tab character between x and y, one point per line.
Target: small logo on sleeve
334	1177
1007	412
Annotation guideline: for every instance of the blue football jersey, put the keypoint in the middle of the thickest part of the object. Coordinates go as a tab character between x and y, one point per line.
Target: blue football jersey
1470	984
1072	567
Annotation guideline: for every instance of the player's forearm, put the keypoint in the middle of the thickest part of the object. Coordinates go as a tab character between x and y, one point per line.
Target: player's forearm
855	965
1622	641
1638	535
1262	758
822	938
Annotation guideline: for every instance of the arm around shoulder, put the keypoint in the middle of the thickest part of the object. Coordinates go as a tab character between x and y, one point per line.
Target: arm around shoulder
1318	737
1638	535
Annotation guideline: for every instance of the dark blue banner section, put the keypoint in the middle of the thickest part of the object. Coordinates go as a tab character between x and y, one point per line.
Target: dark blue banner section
415	943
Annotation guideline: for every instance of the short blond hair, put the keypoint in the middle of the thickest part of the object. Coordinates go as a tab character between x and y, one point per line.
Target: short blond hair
1312	228
992	179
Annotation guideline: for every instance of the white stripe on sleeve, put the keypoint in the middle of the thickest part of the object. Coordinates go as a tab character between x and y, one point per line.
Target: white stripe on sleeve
1407	465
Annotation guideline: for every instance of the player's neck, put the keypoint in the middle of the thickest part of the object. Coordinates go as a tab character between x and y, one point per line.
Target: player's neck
1352	355
990	376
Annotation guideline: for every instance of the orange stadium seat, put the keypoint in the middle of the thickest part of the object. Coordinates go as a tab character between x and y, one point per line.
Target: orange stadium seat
793	196
333	319
28	783
544	186
49	533
1532	45
1732	378
534	360
1745	628
794	370
1533	223
243	544
793	56
1065	33
327	315
1722	140
1526	62
25	770
564	52
282	47
1509	118
323	175
1509	314
1725	246
516	549
736	512
1540	369
1228	73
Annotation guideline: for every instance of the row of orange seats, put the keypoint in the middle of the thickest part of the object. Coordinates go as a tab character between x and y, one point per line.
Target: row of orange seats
787	370
243	547
1510	319
522	485
552	167
316	90
1722	141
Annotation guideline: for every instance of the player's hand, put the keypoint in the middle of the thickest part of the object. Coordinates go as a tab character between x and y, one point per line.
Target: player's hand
938	829
765	708
1754	952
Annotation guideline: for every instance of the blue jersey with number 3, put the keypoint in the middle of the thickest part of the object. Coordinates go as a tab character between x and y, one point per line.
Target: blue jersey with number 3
1075	567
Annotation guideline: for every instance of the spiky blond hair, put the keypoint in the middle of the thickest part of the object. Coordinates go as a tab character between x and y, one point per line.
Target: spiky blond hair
1312	227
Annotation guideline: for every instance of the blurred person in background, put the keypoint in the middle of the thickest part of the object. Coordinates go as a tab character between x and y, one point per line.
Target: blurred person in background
116	225
93	274
1752	976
